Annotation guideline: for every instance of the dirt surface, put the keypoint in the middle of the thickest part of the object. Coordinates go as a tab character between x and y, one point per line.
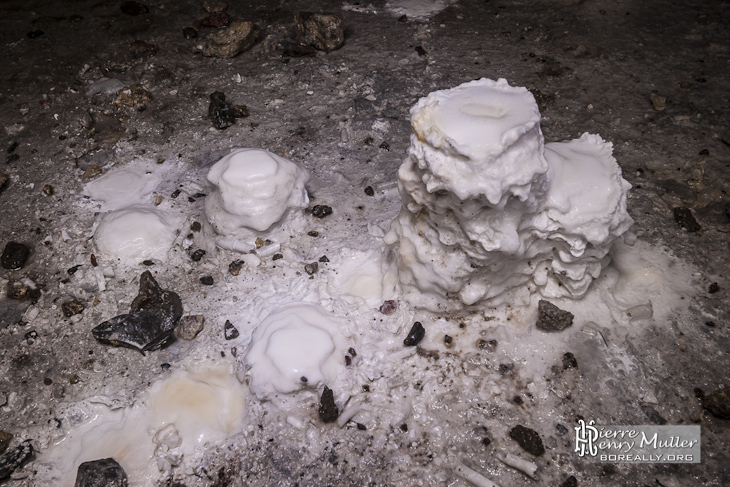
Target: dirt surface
649	76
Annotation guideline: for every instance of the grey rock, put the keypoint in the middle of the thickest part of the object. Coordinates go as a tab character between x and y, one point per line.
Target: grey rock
151	295
101	473
15	255
189	326
552	318
528	439
238	37
15	458
104	85
145	330
229	331
325	31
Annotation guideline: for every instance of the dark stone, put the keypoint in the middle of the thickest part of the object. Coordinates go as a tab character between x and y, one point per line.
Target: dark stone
705	152
4	178
234	268
369	191
324	31
388	307
151	295
195	227
328	410
415	335
420	50
487	345
570	482
295	49
101	473
311	268
552	318
134	8
218	20
18	291
71	308
207	280
569	361
448	341
403	18
685	219
718	403
175	193
35	33
361	427
324	259
313	233
14	256
385	146
561	430
528	439
12	147
72	270
321	211
197	255
190	33
714	287
277	256
146	330
486	441
220	112
229	331
425	353
15	458
653	414
5	439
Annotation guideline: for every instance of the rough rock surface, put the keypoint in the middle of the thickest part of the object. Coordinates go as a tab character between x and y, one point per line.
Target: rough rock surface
552	318
238	37
101	473
324	31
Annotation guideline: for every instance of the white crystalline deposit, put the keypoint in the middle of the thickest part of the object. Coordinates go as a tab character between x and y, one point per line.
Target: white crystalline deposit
135	234
294	347
256	193
488	209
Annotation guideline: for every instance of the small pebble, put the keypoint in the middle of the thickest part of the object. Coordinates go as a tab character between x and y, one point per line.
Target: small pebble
552	318
528	439
48	190
189	326
321	211
328	410
714	287
385	146
686	219
14	256
71	308
659	102
11	158
197	255
234	268
213	6
369	191
487	345
206	280
448	341
388	307
277	256
311	268
415	335
229	331
570	482
569	361
101	473
189	33
323	31
324	259
313	233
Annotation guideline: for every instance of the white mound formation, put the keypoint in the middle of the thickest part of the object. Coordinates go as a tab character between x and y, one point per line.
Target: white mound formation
295	347
135	234
255	194
488	209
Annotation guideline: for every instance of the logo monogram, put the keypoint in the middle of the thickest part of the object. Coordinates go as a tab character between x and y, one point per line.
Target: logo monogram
585	436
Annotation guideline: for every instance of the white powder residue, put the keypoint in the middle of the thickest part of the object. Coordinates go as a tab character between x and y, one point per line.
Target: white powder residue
130	185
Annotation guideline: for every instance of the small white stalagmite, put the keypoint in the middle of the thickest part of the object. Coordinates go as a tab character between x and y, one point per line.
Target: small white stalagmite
490	211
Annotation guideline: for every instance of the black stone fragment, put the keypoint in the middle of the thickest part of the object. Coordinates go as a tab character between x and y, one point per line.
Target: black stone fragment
560	429
195	226
311	268
415	335
4	178
234	268
569	361
197	255
151	295
369	191
321	211
207	280
15	458
175	194
487	345
486	441
685	219
12	147
189	33
385	146
277	256
570	482
229	331
328	410
552	318
528	439
101	473
72	270
145	330
718	403
403	18
324	259
421	51
714	287
220	112
15	255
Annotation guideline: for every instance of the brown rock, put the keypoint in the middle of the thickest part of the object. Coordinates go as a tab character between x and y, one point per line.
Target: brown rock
322	31
225	44
135	96
71	308
189	326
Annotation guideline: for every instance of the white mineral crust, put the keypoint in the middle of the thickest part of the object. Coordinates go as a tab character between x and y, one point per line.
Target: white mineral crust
255	193
489	209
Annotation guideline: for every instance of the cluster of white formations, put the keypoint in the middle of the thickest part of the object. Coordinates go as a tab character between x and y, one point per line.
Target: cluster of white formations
256	194
294	347
489	209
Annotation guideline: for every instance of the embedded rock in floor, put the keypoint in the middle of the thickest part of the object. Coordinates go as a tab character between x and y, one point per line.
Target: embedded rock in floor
145	330
528	439
325	31
238	37
15	255
552	318
101	473
15	458
151	295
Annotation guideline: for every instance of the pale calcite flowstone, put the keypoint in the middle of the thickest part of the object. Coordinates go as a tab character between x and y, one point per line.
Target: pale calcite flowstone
135	234
491	212
256	193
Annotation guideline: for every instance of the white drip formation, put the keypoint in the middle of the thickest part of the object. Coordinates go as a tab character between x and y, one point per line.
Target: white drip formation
490	211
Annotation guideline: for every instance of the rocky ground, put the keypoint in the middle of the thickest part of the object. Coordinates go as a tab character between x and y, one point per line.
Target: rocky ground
89	86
